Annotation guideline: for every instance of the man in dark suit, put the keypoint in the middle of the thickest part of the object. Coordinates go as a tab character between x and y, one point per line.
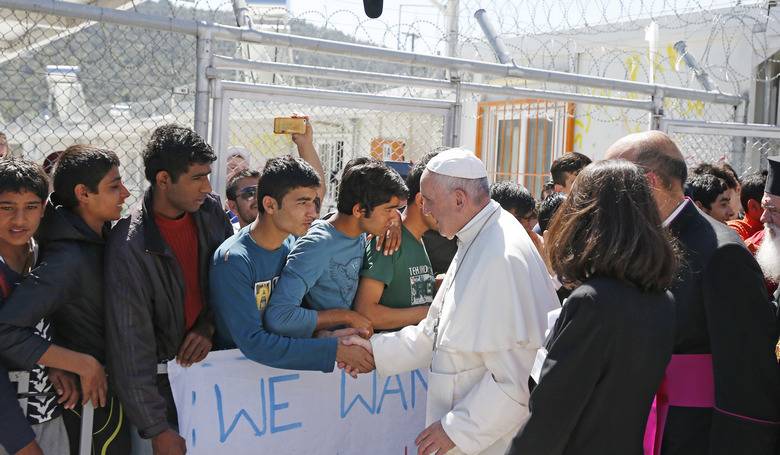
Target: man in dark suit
722	387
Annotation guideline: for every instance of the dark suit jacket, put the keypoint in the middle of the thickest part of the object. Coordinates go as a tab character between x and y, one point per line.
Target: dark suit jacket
607	354
723	309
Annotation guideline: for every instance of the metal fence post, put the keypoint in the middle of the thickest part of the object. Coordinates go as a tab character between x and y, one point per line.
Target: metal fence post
453	121
202	63
658	110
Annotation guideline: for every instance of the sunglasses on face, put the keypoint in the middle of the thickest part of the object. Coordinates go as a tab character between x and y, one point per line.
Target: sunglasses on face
248	192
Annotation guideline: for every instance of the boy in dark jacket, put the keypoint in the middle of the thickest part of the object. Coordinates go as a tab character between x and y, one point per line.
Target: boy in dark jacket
25	332
67	288
157	260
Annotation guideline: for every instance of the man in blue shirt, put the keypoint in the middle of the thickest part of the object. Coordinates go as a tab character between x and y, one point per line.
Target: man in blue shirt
320	278
246	266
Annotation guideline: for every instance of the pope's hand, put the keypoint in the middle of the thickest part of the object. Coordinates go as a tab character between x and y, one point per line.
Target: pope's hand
354	355
434	440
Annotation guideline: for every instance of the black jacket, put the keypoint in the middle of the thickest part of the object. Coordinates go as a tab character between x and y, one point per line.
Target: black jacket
145	306
607	354
723	308
66	287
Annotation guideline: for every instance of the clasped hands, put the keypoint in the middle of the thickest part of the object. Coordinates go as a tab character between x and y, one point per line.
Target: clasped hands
353	354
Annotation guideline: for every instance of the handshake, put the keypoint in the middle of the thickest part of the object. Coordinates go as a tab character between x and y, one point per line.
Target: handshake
353	354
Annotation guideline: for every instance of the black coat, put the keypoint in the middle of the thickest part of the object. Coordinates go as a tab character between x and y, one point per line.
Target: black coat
66	288
723	309
606	356
145	306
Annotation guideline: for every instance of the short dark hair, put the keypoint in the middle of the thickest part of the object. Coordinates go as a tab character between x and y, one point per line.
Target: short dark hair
722	173
370	185
359	161
547	209
752	188
282	175
232	185
174	149
570	162
415	175
705	188
609	227
512	196
17	175
80	164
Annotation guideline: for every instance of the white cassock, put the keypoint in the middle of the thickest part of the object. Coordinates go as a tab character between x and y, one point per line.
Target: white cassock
492	314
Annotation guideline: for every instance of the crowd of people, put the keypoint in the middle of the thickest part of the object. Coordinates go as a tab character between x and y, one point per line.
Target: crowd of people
623	313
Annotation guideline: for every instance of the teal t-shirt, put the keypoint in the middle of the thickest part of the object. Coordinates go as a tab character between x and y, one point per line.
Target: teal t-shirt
407	274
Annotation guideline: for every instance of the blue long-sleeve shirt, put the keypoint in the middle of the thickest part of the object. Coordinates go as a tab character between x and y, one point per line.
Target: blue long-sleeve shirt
242	279
322	272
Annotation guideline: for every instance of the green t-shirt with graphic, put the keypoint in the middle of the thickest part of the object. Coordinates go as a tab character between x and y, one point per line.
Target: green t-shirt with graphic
407	273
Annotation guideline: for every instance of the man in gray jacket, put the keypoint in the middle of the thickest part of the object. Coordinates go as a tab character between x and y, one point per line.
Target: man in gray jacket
157	273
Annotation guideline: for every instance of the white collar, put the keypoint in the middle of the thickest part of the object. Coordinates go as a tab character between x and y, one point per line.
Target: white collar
472	228
674	214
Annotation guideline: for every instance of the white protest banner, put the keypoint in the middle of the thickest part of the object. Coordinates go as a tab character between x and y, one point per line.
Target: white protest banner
229	404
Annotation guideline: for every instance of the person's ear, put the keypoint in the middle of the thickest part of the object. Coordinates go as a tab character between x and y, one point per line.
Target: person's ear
269	205
163	179
558	188
418	199
357	211
82	193
460	198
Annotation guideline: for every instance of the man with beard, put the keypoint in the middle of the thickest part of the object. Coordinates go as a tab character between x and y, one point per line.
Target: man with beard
768	240
721	391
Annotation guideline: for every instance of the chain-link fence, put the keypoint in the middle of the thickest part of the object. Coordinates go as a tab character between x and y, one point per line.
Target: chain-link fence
340	134
747	154
69	81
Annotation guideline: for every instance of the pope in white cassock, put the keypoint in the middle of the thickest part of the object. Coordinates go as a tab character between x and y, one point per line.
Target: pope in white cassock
486	322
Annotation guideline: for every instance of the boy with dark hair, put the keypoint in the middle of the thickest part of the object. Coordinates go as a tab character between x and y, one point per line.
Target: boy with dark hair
565	169
726	173
157	305
711	195
750	198
246	266
68	288
547	209
240	195
517	200
322	268
25	331
397	290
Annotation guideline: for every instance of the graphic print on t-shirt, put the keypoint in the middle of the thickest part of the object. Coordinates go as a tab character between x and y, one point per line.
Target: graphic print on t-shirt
346	276
421	284
263	291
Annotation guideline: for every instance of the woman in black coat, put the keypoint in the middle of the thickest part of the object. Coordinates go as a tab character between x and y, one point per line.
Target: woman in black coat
607	353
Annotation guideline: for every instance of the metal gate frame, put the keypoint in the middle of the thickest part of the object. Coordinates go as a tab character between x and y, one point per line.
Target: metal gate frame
737	131
222	92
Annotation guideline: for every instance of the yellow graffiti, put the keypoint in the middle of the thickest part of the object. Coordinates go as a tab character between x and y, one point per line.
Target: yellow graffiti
632	65
695	107
580	124
673	56
583	126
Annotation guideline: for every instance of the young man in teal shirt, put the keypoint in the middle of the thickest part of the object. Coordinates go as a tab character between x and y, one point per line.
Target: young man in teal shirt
396	290
320	278
245	268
